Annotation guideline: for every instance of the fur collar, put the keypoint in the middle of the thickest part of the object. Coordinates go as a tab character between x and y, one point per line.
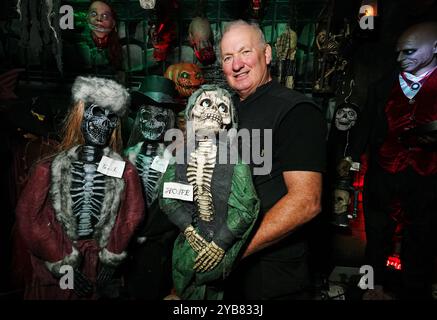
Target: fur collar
62	202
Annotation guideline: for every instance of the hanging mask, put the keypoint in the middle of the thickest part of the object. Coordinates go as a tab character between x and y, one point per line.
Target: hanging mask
147	4
187	77
200	36
101	21
154	121
162	34
346	116
98	124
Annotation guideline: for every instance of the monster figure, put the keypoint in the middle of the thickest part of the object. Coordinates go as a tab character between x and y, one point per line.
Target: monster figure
215	224
80	209
187	77
152	123
201	39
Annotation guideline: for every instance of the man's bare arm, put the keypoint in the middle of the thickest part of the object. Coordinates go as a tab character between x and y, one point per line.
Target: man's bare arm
298	206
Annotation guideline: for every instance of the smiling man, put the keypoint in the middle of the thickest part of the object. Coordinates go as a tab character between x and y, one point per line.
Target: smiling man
275	263
401	180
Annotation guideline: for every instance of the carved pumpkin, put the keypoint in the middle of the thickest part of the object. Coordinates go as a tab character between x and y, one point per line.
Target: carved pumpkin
187	77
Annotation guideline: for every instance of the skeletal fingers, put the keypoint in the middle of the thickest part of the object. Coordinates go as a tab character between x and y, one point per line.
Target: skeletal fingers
208	258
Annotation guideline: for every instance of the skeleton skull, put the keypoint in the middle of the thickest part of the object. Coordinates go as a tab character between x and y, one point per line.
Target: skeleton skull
341	201
345	118
98	124
211	112
147	4
154	121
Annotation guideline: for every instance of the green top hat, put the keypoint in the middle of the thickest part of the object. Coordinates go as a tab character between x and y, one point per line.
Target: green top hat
155	90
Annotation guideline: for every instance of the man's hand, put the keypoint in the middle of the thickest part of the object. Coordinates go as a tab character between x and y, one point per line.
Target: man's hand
82	285
196	241
208	258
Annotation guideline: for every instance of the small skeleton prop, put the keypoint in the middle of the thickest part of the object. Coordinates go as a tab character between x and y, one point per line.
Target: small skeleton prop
201	39
342	200
89	214
211	227
147	4
329	59
286	50
151	124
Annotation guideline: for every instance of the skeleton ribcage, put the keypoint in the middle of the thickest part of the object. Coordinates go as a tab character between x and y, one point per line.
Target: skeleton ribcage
199	175
87	192
149	176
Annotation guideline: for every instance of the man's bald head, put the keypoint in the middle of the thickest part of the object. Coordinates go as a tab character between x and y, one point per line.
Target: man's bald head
417	47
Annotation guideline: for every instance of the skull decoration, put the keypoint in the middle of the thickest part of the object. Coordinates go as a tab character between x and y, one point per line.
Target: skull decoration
98	124
187	77
341	201
210	109
211	112
154	120
345	117
147	4
200	36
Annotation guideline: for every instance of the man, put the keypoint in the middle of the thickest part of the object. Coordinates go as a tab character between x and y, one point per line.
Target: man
401	184
275	265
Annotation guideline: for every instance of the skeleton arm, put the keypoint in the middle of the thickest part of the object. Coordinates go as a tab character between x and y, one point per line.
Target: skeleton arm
243	208
178	215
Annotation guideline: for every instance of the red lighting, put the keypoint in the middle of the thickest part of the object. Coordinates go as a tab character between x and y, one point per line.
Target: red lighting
394	262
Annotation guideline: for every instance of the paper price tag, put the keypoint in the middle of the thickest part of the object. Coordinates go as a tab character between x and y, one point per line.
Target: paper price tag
159	164
174	190
111	167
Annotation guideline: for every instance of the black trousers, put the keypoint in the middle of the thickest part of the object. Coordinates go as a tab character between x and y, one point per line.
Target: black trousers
417	197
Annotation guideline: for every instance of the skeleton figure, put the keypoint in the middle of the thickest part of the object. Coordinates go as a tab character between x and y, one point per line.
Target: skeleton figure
150	126
345	118
329	59
70	214
213	225
88	185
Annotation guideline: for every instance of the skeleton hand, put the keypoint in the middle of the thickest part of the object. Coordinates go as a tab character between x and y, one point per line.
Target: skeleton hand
196	241
208	258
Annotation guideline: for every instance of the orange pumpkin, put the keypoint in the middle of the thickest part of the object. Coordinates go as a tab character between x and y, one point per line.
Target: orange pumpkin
188	77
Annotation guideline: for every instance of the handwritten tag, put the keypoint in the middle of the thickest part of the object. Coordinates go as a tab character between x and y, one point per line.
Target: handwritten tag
159	164
174	190
111	167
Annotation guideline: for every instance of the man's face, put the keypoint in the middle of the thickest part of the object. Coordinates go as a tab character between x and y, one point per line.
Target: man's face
245	60
417	54
100	17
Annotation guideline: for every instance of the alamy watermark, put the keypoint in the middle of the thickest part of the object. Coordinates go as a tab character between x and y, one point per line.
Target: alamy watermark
367	21
367	281
250	146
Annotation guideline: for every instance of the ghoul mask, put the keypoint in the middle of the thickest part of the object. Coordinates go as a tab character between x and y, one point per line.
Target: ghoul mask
98	124
345	117
154	121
